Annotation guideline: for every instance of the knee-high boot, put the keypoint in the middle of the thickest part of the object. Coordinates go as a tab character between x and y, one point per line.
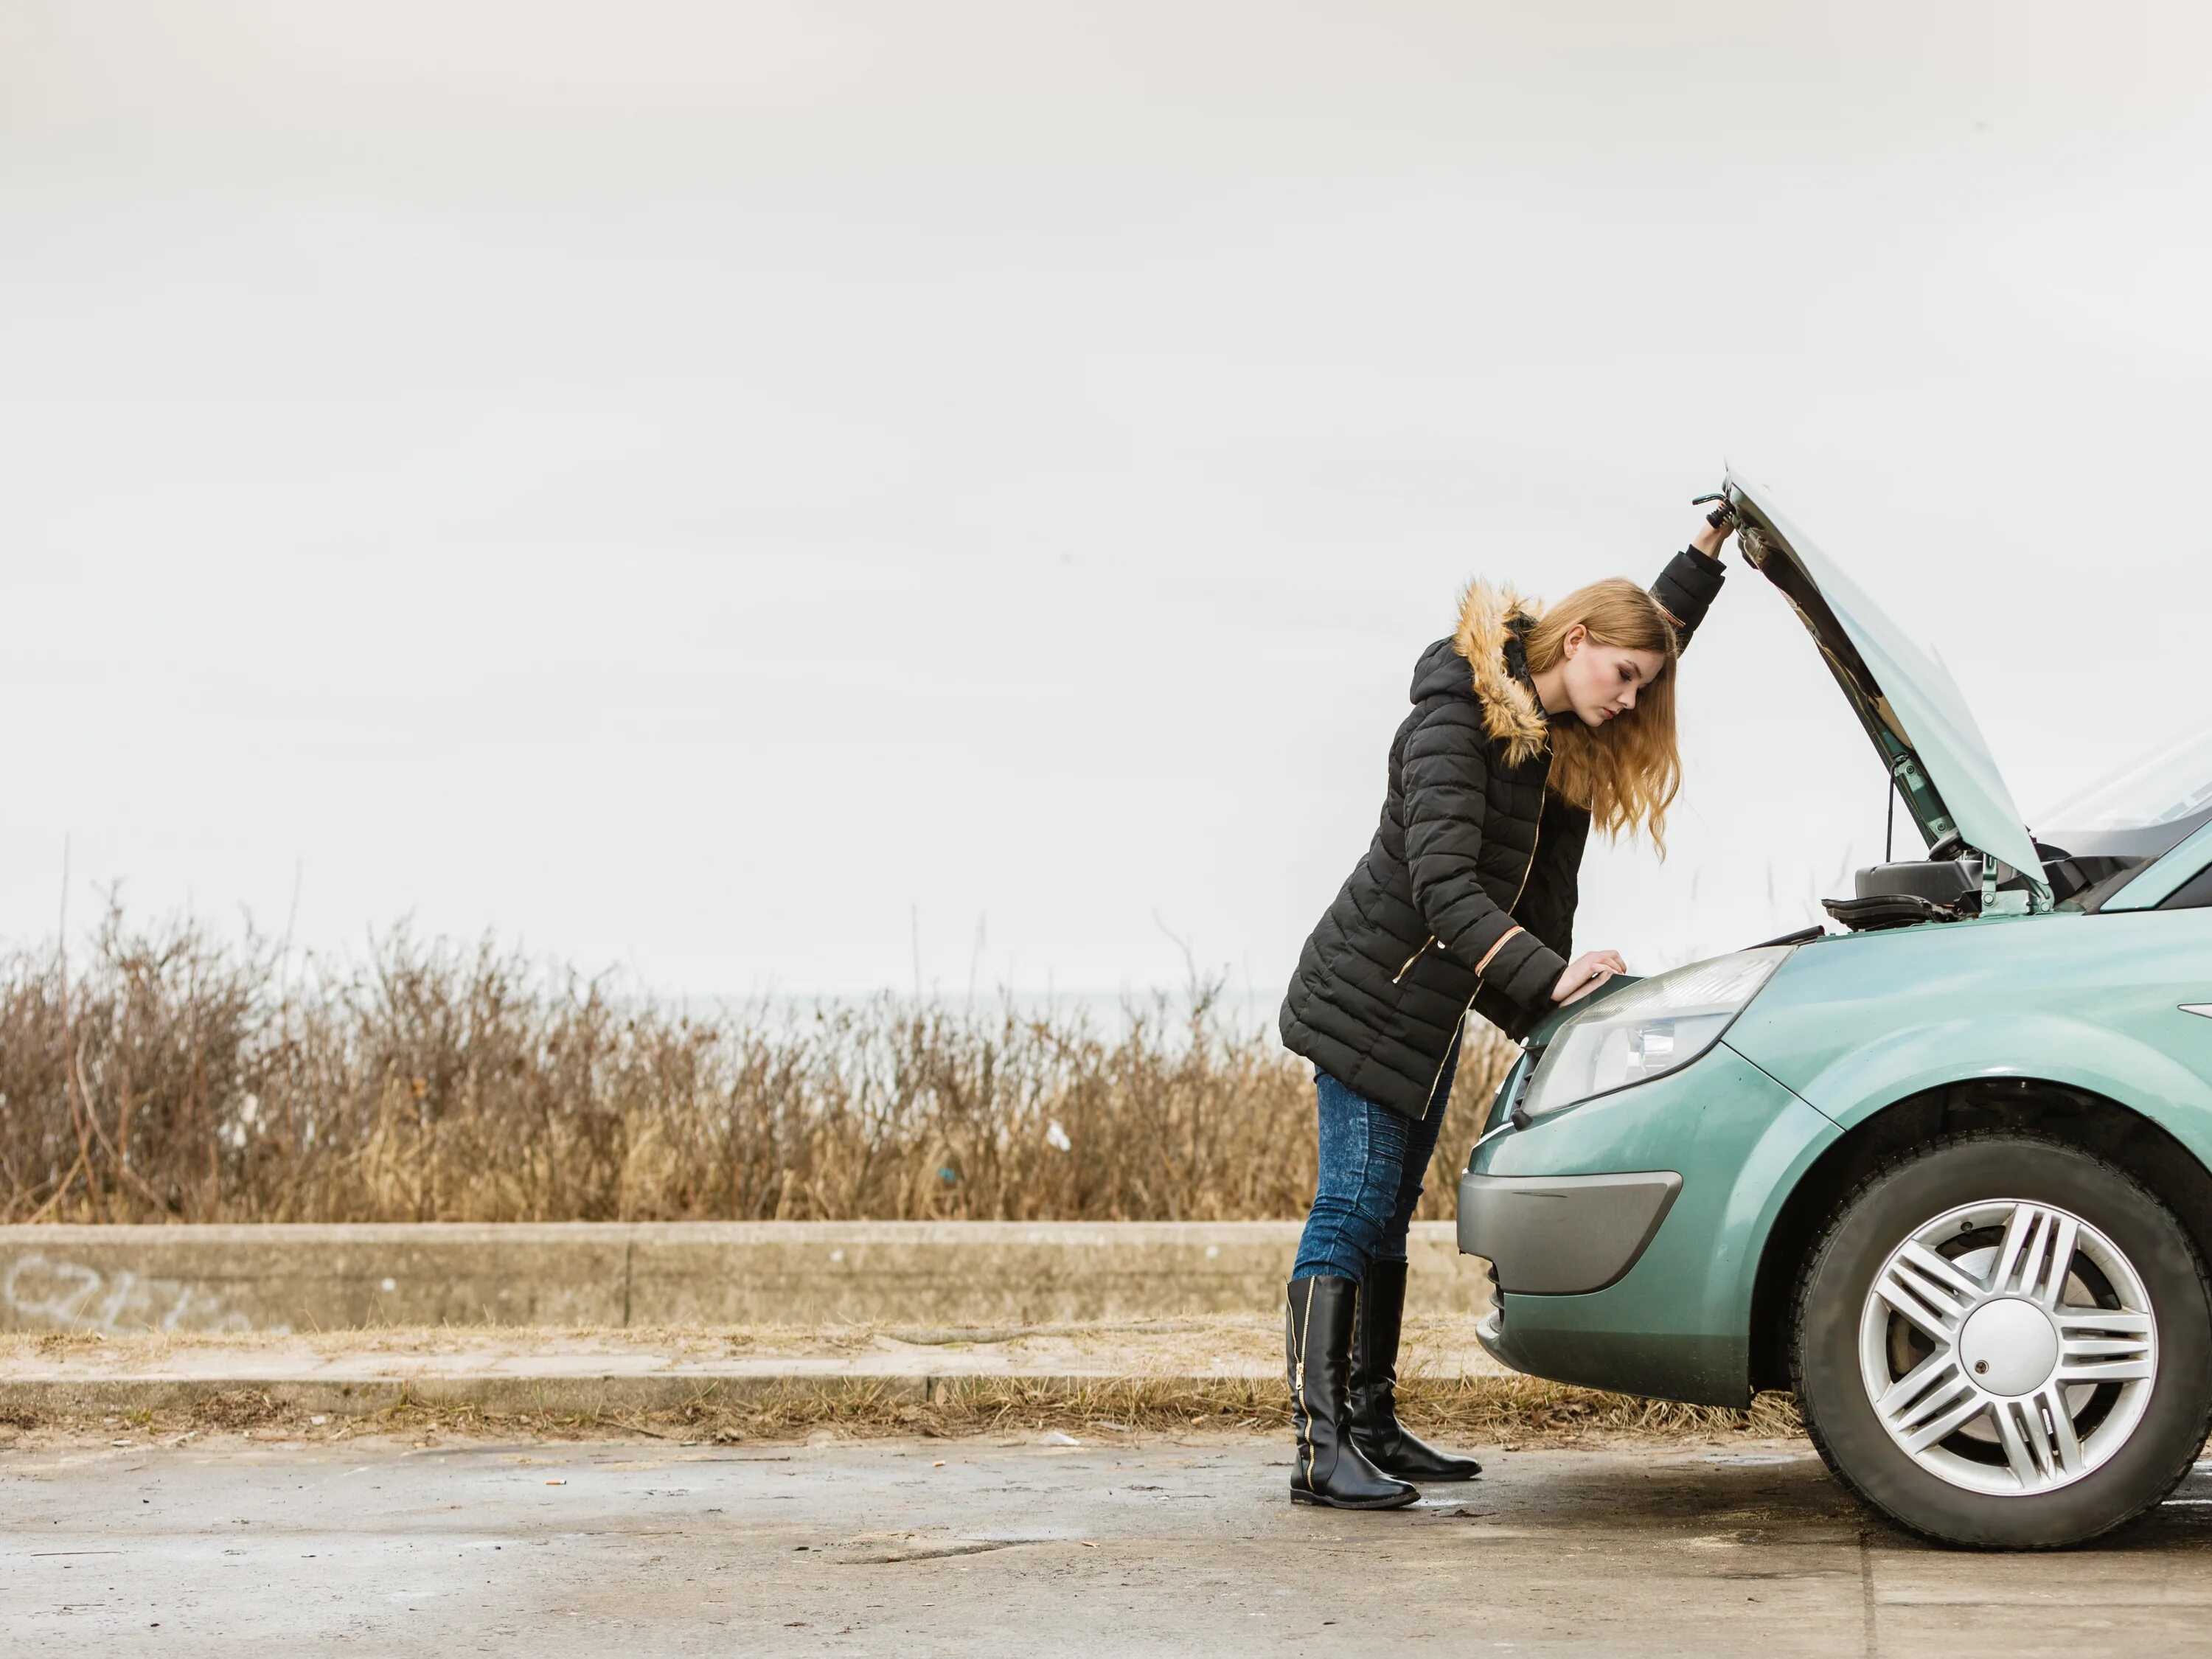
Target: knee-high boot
1375	1426
1329	1467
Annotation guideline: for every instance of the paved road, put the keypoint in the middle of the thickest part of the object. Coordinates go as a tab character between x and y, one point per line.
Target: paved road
969	1547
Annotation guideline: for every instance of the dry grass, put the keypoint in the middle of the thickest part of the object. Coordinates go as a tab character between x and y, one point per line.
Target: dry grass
170	1075
1515	1411
1521	1410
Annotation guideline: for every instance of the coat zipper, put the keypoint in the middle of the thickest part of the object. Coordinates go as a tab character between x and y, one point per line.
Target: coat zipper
1535	840
1414	959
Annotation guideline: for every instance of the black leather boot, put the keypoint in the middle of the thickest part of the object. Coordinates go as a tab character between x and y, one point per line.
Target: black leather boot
1375	1426
1329	1469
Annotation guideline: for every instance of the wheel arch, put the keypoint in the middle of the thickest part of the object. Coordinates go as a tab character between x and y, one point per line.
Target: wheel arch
2082	1117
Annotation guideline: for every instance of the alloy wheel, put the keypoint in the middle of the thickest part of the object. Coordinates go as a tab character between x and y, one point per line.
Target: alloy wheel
2009	1346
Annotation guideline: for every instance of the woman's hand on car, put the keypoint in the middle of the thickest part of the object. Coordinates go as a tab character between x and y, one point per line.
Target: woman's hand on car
1586	973
1710	537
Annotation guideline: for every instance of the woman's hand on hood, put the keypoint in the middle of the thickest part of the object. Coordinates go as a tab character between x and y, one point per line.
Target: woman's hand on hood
1712	535
1586	973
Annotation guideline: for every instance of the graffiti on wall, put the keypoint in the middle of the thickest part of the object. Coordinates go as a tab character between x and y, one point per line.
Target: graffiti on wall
38	1293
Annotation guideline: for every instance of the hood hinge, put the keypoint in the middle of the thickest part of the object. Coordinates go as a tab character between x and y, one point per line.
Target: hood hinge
1994	903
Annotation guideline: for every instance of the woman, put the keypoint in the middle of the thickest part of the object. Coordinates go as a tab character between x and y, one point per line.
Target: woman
1527	726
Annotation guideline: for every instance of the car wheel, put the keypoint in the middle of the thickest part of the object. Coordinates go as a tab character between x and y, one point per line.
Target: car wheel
2005	1342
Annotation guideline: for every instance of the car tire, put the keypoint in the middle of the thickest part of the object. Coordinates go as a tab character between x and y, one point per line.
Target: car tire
2132	1389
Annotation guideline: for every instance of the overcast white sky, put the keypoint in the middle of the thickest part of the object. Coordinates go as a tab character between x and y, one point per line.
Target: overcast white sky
711	487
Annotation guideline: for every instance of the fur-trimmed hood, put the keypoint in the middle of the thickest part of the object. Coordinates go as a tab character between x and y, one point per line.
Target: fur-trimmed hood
1483	660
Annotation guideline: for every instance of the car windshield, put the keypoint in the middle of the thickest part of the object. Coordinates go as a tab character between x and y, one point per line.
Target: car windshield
2170	783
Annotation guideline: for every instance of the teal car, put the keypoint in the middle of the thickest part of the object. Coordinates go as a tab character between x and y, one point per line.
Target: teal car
1941	1169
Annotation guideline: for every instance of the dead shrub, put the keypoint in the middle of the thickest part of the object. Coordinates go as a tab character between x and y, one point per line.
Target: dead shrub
235	1408
174	1075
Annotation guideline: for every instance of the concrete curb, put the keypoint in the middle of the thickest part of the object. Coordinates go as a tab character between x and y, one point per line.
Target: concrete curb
624	1275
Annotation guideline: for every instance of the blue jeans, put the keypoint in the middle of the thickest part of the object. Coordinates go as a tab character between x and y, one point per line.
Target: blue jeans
1371	1165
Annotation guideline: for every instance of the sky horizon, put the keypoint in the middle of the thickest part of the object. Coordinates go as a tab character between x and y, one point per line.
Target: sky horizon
801	499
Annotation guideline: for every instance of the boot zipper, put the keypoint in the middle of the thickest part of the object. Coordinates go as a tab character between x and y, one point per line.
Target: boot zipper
1535	840
1414	959
1305	1334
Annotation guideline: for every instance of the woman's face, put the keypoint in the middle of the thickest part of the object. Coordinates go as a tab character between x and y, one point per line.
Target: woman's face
1603	681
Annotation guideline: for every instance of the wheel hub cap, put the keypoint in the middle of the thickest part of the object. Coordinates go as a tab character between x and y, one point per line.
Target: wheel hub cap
2009	1346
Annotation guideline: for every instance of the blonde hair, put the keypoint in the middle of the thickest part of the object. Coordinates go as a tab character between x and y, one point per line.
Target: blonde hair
1626	772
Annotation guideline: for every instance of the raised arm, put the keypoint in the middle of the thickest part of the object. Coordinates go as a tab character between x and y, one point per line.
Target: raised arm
1693	577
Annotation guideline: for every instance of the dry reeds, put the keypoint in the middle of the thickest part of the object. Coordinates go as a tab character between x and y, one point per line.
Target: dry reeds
175	1075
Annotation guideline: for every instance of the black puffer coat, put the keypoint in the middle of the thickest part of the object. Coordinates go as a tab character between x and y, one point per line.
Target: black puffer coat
1475	858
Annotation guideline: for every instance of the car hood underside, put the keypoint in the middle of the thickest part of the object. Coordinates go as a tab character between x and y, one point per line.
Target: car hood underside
1911	709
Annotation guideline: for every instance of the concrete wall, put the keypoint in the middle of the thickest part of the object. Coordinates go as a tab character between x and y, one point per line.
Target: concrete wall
317	1278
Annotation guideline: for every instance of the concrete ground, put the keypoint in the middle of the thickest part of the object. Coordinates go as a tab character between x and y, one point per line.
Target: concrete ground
1222	1345
1115	1545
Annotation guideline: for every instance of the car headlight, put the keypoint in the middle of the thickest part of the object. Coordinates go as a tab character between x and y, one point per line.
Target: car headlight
1654	1027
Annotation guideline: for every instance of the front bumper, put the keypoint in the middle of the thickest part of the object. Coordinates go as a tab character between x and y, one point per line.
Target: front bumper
1626	1232
1562	1235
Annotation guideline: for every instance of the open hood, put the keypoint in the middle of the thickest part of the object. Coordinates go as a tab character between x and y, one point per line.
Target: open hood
1910	705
